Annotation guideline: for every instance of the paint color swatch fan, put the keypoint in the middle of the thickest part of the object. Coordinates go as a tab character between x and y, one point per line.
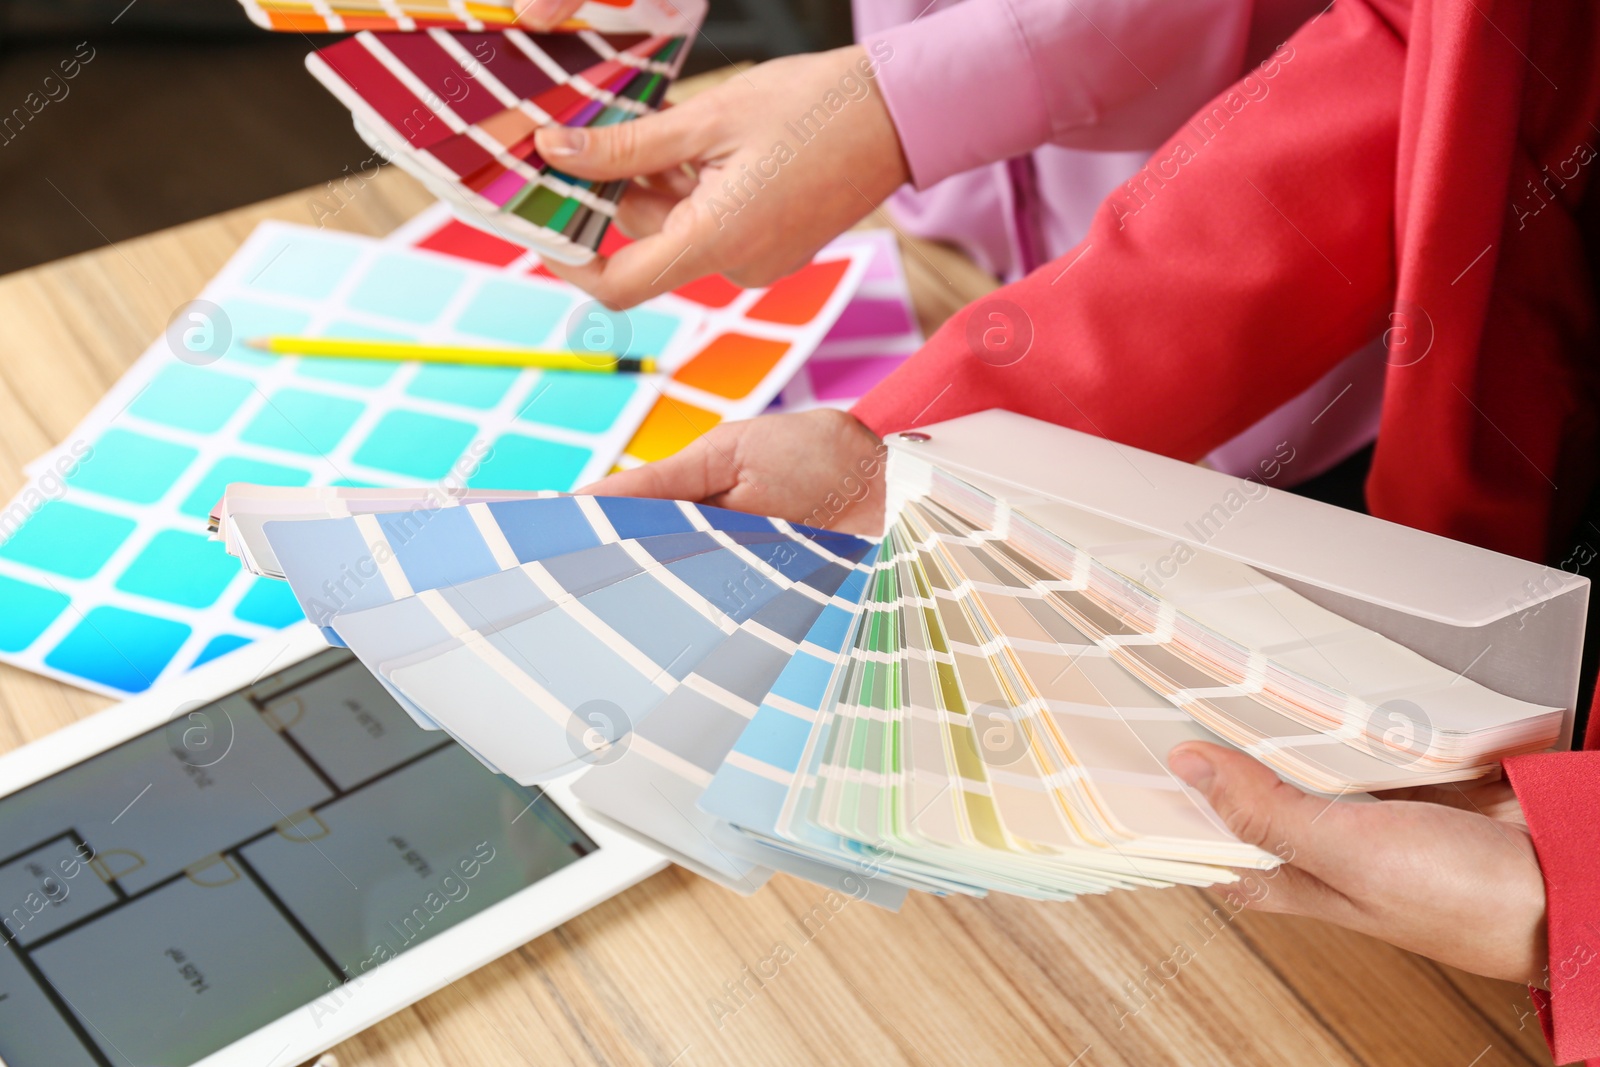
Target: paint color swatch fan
342	16
983	700
457	107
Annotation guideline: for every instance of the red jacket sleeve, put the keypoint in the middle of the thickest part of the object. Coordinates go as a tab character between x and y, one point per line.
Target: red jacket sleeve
1560	796
1251	255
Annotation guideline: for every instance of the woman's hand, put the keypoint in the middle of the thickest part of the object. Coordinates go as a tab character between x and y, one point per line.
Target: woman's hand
748	179
821	468
1450	872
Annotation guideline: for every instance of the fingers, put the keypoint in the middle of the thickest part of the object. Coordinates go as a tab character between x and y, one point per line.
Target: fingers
678	182
644	481
643	211
544	14
703	470
1306	832
1261	810
1497	799
1285	890
645	145
760	273
675	255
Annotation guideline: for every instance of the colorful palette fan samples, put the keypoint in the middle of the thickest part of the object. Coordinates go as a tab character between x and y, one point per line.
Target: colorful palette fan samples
338	16
457	107
982	700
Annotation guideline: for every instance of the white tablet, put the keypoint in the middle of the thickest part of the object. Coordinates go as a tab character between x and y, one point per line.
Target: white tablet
259	860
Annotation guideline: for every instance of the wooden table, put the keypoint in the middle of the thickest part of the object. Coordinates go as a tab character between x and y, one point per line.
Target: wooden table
651	977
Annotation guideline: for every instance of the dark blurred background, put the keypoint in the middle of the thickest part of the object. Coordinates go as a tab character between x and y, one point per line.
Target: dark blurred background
183	108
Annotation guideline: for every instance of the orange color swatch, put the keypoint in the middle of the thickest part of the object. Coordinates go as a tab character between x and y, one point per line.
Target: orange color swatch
670	425
732	364
798	299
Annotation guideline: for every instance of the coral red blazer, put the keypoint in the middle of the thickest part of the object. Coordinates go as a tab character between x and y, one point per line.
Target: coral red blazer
1417	168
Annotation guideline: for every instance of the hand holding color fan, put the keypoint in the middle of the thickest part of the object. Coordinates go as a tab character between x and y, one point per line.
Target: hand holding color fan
457	107
982	701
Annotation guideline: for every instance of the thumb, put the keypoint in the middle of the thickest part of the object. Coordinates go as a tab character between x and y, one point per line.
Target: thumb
703	469
645	145
1255	805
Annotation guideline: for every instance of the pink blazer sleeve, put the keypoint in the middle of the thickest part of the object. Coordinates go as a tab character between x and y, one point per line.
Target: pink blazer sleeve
985	80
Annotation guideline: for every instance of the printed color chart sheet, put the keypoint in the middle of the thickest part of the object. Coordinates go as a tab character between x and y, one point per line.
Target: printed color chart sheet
107	578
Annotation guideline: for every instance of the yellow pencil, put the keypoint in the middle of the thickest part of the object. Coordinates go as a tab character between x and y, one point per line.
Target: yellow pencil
351	348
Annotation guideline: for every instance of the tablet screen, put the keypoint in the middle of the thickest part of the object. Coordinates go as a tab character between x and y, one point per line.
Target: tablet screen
259	853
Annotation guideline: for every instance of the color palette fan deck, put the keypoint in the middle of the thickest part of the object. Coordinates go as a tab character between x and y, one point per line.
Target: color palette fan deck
454	93
983	700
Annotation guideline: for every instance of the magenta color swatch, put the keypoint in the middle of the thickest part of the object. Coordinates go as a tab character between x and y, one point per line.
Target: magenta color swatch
865	317
846	379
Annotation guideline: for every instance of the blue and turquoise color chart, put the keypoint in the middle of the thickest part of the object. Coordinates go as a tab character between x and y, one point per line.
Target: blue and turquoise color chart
107	577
